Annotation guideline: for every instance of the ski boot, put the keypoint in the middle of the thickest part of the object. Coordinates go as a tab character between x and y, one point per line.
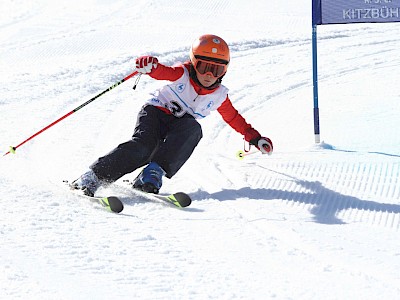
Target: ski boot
88	183
150	179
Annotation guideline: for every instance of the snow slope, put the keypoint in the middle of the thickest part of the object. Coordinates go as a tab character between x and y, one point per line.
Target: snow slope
309	222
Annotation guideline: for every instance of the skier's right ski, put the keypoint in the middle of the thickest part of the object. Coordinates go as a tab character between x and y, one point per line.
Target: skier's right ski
110	203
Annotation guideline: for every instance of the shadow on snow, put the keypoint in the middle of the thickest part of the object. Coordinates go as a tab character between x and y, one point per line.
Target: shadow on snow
326	203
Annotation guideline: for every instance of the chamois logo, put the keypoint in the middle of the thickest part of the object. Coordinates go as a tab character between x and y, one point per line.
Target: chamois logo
209	105
180	87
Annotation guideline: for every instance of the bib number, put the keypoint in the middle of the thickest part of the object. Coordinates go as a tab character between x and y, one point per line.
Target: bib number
176	109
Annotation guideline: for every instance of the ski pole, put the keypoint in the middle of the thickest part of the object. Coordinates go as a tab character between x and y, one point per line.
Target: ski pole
13	149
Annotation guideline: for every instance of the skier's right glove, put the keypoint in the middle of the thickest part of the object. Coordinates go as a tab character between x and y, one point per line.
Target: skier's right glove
263	144
145	64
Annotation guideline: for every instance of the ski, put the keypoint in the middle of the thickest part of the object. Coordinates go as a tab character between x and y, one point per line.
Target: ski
110	203
178	199
114	204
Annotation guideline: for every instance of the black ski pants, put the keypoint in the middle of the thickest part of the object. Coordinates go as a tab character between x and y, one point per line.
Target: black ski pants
158	137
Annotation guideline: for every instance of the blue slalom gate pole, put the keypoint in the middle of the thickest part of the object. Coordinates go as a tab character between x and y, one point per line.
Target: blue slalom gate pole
315	84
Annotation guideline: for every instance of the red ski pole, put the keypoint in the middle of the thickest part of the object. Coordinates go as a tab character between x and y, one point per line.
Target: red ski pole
13	149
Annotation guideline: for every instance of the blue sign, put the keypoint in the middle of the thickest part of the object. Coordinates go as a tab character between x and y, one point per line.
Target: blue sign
355	11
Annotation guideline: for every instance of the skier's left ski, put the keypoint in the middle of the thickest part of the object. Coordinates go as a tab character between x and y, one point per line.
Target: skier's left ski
178	199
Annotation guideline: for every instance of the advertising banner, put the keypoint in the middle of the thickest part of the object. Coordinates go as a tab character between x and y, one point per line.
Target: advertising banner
355	11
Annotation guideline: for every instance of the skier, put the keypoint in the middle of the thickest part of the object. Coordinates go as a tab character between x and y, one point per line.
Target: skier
167	131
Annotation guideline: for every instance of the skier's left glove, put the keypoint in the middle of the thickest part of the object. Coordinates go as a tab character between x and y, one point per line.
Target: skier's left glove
146	64
263	144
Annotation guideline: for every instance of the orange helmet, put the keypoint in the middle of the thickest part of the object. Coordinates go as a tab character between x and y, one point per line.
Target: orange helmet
210	48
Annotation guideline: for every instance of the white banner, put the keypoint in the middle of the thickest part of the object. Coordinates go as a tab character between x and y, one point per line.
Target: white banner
358	11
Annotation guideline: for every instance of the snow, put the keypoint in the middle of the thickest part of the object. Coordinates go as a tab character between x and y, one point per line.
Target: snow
312	221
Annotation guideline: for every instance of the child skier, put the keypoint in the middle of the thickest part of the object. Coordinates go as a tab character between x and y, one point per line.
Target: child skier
167	131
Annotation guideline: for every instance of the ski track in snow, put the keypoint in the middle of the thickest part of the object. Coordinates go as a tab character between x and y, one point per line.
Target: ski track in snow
307	222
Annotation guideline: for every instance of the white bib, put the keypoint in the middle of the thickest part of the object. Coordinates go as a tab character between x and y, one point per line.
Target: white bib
180	97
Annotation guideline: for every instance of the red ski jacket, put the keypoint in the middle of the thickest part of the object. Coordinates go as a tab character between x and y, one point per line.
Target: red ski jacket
229	113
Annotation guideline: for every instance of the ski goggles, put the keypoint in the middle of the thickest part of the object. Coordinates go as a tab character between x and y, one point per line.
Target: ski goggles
214	68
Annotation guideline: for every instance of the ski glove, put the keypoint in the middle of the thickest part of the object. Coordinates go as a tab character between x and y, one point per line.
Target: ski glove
145	64
263	144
